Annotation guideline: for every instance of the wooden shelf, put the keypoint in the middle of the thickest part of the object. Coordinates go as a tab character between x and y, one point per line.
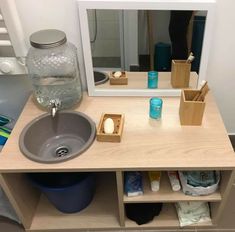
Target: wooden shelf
101	213
168	218
139	80
165	194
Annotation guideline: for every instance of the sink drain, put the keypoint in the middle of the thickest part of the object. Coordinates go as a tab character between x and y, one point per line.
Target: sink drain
62	151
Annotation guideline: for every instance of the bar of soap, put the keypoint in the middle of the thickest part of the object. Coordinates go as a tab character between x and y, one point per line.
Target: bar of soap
108	126
117	74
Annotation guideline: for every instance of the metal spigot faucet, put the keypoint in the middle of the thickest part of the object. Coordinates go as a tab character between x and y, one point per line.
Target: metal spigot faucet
55	104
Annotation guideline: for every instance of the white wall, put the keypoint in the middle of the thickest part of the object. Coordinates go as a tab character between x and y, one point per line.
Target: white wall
58	14
107	43
221	69
130	40
62	14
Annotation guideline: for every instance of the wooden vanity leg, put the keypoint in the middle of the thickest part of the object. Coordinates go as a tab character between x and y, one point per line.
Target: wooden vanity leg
22	196
119	178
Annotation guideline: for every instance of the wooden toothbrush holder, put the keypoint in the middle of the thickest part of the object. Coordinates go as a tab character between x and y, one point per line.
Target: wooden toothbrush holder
180	73
191	112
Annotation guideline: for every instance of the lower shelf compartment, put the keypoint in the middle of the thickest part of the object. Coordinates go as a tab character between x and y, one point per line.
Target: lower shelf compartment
167	219
101	213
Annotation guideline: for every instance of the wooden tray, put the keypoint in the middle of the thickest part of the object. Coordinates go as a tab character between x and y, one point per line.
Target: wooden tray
122	80
118	128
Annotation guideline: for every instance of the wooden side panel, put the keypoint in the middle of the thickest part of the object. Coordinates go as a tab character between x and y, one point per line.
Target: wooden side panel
119	178
227	178
23	197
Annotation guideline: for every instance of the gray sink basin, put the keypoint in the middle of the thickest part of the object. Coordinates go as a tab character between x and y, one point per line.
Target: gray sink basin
53	140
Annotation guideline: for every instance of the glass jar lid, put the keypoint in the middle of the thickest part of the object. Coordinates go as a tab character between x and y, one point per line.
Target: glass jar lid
47	38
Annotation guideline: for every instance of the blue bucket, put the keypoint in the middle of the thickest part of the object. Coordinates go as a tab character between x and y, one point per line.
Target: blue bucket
68	192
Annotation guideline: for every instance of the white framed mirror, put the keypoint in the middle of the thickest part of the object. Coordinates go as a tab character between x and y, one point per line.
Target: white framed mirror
124	36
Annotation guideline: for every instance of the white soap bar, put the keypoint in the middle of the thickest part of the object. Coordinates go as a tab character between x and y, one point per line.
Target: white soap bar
117	74
108	126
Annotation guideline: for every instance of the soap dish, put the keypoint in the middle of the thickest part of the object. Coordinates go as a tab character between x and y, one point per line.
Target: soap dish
118	120
122	80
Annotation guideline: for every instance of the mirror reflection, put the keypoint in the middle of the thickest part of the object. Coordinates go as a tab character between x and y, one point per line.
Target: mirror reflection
138	41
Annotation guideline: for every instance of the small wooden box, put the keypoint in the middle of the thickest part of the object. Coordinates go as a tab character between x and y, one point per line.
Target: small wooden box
191	112
122	80
118	128
180	73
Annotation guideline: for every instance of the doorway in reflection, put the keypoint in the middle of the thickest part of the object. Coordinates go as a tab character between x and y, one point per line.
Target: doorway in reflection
144	40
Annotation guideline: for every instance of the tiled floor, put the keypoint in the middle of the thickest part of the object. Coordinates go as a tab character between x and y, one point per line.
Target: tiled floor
9	226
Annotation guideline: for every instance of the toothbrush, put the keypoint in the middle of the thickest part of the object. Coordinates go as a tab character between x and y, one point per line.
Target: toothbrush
202	92
191	57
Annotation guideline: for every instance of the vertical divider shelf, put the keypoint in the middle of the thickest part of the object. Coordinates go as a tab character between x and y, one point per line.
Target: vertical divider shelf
120	193
217	208
23	197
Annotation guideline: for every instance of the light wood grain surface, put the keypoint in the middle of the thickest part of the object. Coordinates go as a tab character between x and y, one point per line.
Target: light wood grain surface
139	80
146	143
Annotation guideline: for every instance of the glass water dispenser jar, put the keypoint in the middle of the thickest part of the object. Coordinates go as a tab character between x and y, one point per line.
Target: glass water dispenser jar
53	68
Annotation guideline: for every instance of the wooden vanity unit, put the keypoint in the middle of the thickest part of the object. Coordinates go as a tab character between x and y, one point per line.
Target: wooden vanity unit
146	145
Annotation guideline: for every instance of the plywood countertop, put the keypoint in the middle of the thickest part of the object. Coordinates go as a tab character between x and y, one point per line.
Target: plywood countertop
139	80
146	144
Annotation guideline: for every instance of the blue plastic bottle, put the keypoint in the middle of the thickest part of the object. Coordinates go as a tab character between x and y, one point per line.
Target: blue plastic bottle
152	80
155	108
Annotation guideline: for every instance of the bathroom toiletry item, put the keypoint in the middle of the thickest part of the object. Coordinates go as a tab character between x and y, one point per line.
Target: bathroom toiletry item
192	213
174	180
154	177
116	135
68	192
142	213
197	183
53	69
133	184
190	58
155	110
191	112
152	80
108	126
202	92
118	78
180	73
117	74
